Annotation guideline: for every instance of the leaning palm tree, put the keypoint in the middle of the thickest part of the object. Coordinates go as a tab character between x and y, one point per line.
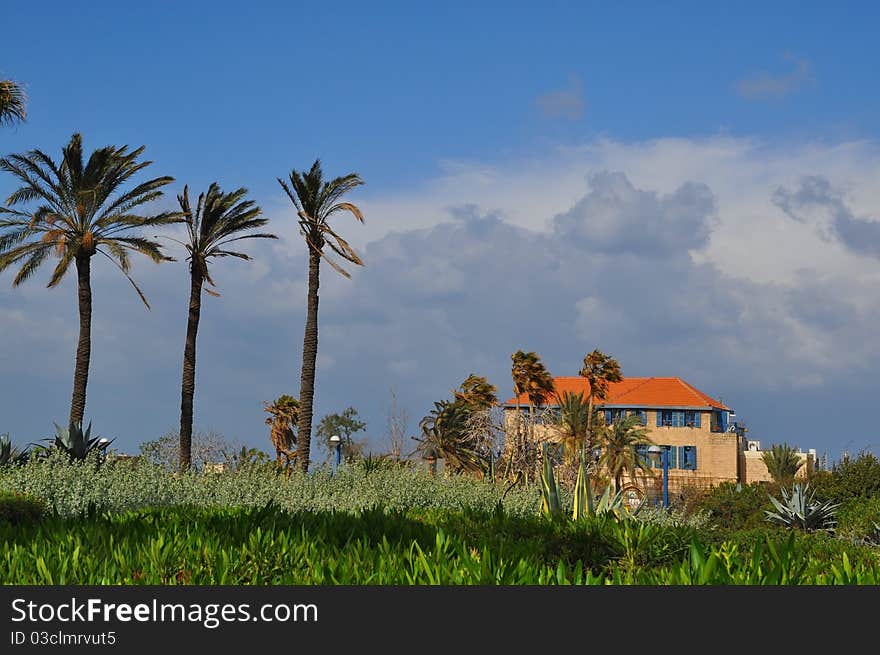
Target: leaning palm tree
12	103
600	370
620	449
477	393
78	210
283	414
531	378
219	219
316	200
782	463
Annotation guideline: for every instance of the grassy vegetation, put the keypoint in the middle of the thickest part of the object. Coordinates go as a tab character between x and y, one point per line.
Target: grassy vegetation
270	546
66	522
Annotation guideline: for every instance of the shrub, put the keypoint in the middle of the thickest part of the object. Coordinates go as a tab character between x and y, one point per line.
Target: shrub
20	509
857	518
851	477
736	507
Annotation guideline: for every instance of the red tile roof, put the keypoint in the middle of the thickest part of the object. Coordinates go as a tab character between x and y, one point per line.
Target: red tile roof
636	392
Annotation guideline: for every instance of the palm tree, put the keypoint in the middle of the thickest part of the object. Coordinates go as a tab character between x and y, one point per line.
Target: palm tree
283	415
218	220
477	393
600	370
445	435
12	103
82	212
782	463
530	377
316	200
620	442
573	422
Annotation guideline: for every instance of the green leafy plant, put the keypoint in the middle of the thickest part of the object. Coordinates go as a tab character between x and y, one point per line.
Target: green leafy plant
75	443
9	454
799	510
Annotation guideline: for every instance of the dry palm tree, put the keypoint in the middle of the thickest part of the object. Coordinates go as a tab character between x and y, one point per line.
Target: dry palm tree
477	393
219	219
77	210
600	370
620	452
316	200
531	378
782	463
283	415
12	103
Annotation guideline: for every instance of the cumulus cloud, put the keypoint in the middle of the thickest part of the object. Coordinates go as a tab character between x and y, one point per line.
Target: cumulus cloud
564	103
816	201
765	85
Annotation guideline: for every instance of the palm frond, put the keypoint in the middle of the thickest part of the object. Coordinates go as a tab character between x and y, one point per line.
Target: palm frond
13	102
128	277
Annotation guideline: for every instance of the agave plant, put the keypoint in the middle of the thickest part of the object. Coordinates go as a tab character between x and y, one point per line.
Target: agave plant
799	510
584	504
75	443
9	454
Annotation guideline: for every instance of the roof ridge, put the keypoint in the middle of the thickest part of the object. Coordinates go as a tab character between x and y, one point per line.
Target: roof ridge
643	382
702	395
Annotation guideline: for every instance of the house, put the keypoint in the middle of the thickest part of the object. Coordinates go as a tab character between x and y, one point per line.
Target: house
703	444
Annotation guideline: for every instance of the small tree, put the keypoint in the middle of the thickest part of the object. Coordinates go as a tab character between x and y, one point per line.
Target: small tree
397	422
782	463
344	425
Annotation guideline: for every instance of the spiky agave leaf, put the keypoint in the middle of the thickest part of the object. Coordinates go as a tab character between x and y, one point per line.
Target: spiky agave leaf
583	501
799	510
549	489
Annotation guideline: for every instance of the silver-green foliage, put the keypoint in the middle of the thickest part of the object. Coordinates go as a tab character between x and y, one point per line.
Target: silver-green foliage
72	487
799	510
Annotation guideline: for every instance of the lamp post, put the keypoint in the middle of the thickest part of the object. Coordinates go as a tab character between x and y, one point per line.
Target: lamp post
337	456
655	451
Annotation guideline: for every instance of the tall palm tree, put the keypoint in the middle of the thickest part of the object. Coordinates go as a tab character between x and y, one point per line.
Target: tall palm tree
81	210
530	377
316	200
12	103
782	463
219	219
620	442
600	370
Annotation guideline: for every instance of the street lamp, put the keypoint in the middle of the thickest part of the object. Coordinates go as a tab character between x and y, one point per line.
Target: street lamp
337	442
663	453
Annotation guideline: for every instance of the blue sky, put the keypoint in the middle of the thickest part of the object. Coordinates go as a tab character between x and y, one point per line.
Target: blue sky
552	130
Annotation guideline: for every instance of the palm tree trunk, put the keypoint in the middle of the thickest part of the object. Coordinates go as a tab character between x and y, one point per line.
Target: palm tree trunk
310	355
590	421
188	383
84	347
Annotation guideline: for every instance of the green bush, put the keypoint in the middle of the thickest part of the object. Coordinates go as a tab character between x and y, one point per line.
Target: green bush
737	507
851	477
857	518
20	509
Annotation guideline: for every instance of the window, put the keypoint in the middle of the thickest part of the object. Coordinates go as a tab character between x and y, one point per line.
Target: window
692	419
687	456
670	454
642	414
612	415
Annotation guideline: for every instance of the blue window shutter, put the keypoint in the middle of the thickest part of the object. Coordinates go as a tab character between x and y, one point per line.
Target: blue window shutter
724	421
682	455
644	416
608	416
694	457
659	418
697	419
671	456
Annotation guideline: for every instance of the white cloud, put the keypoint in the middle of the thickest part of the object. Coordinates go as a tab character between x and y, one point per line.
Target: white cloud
564	103
767	85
